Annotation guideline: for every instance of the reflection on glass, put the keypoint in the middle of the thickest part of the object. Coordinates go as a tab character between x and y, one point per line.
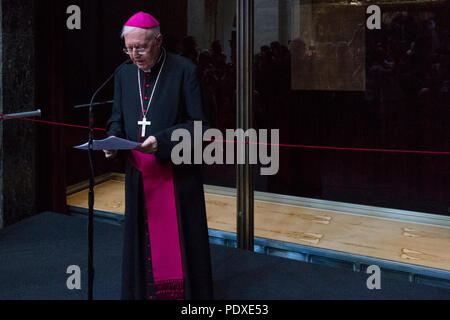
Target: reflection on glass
329	52
211	44
324	79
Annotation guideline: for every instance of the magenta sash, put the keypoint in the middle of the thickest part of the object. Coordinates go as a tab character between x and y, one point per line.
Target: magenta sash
162	225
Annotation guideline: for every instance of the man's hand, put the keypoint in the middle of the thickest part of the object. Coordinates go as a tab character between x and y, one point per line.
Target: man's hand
149	146
110	154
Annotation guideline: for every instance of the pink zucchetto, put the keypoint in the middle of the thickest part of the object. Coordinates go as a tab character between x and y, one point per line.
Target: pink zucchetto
142	20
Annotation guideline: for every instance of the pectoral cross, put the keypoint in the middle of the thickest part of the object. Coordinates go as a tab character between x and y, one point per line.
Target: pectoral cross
144	123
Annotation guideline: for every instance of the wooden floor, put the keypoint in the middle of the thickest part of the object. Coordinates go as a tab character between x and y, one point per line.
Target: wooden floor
413	243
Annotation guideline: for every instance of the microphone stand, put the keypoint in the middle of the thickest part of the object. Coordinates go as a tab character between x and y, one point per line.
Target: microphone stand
91	191
94	104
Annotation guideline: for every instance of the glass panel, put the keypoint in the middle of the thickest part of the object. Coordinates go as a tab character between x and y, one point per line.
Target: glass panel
211	43
324	79
356	108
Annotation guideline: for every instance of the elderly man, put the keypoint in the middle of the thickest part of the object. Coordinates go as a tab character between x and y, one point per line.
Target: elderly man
166	249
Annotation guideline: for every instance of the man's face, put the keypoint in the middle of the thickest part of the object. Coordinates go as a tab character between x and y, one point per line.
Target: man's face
143	39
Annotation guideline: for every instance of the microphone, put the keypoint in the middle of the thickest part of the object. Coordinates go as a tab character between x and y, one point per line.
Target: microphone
91	190
79	106
107	80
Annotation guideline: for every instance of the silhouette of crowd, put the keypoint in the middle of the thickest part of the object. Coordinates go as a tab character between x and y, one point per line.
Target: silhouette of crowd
219	81
271	78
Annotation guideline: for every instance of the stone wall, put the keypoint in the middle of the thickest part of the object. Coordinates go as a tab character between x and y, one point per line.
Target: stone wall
210	20
196	22
18	137
267	23
276	21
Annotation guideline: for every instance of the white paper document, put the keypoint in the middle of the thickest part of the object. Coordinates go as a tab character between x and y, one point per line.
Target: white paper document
110	143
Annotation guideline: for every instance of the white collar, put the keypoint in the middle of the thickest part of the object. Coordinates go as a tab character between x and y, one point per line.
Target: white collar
159	59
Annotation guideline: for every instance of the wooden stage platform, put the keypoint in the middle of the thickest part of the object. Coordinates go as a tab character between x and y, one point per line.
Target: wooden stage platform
386	238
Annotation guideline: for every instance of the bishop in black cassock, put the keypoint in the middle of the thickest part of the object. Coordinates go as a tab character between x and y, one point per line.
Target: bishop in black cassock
166	249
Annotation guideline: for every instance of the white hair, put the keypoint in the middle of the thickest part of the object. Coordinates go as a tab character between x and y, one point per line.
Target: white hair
127	29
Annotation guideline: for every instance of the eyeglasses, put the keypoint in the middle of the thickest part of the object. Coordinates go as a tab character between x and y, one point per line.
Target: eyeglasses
139	50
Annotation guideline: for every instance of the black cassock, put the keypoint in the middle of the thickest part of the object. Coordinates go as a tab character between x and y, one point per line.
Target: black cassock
177	102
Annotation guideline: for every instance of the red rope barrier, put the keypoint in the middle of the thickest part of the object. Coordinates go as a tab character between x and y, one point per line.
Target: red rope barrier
268	144
49	122
339	148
